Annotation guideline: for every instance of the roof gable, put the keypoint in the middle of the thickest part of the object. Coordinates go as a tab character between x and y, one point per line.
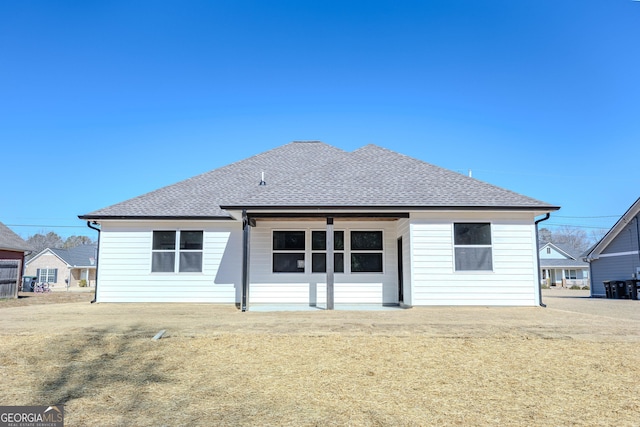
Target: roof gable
607	239
314	174
561	252
78	256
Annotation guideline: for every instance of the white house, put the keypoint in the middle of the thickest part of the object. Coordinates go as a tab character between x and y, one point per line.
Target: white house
308	223
561	266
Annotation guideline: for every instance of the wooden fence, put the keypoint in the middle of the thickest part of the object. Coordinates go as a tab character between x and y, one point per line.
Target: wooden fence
9	278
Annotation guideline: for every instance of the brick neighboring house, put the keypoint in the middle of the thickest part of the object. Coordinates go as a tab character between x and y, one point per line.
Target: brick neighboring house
64	268
12	253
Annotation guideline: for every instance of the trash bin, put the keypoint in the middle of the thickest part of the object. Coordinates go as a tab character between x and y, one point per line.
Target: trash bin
632	288
607	288
619	289
28	282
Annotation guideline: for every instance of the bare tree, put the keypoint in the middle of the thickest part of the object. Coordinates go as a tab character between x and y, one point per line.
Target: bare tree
545	235
40	242
73	241
573	237
597	235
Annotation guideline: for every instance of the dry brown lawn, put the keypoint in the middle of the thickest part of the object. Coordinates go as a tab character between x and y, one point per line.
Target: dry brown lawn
576	362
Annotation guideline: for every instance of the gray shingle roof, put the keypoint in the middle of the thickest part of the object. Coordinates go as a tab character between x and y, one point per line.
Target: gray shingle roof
560	263
314	174
576	262
79	256
11	241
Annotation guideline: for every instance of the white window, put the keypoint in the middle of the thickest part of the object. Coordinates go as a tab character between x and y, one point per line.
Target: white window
47	275
472	246
570	274
177	251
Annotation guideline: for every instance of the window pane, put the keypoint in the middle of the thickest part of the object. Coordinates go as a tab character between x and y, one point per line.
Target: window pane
366	263
366	240
338	241
191	240
163	262
190	262
473	259
288	263
318	263
472	234
288	240
318	242
164	240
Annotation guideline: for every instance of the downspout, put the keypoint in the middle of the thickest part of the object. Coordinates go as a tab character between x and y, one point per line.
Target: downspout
95	294
546	217
638	239
245	261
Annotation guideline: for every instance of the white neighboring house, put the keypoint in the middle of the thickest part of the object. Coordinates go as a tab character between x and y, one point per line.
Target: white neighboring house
64	268
561	266
307	223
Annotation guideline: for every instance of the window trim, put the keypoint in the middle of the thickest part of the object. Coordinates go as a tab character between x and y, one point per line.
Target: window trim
177	251
342	251
308	251
51	273
290	251
489	246
367	251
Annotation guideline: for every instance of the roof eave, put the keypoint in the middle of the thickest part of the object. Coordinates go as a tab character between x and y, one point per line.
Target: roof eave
594	253
91	217
395	207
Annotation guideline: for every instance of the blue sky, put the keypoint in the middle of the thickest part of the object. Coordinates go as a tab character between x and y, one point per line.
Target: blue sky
104	101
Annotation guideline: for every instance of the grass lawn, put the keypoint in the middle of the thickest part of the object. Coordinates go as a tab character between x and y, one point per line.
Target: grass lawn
423	366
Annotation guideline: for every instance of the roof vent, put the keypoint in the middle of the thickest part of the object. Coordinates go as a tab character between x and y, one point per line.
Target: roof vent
262	181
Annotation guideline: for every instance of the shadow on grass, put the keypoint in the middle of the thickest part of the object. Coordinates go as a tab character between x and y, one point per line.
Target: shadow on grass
108	372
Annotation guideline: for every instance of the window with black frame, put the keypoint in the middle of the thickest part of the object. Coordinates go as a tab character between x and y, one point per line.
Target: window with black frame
472	246
289	251
319	251
366	252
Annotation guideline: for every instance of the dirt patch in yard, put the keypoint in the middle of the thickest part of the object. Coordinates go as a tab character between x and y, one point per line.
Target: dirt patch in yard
573	363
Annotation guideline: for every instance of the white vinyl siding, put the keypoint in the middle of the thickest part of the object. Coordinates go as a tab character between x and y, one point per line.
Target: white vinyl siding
124	273
310	288
511	282
429	273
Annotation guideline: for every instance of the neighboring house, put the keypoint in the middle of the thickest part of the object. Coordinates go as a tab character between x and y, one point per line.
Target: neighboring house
561	266
12	253
617	255
64	268
308	223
